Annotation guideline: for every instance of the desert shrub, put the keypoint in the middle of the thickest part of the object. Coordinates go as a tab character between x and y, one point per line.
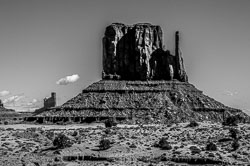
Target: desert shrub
75	133
104	144
110	122
193	124
168	115
133	146
57	159
5	123
234	133
164	144
144	159
231	121
107	131
50	135
211	147
62	141
235	145
194	149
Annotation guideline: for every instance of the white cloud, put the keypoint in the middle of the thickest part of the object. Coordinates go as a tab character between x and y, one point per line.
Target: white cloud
229	93
33	102
12	99
21	103
29	104
68	79
4	93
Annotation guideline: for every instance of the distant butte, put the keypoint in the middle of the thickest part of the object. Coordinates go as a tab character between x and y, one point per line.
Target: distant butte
141	83
4	112
48	102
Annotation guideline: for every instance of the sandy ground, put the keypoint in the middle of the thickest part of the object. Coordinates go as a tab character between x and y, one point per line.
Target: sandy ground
28	145
50	127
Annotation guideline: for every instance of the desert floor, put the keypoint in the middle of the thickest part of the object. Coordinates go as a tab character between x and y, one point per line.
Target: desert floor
32	145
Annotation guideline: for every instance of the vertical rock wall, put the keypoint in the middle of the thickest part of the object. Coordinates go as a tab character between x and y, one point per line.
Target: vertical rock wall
180	72
50	102
135	53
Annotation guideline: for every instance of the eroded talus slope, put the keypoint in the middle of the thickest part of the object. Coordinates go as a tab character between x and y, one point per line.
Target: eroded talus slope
144	100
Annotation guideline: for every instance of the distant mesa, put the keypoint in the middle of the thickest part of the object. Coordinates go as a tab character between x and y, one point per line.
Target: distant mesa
136	53
4	112
3	109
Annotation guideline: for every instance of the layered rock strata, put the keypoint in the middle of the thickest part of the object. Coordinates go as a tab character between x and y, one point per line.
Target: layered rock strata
155	101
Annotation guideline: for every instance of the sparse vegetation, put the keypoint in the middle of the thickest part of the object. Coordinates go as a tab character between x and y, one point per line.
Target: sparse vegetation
132	140
231	121
110	123
211	147
104	144
193	124
62	141
133	146
107	131
50	135
163	144
235	145
234	133
75	133
194	149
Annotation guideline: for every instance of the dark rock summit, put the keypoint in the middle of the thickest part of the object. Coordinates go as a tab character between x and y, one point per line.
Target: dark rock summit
141	82
136	53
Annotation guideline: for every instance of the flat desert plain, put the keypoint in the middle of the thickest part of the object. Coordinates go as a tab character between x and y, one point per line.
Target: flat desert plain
173	144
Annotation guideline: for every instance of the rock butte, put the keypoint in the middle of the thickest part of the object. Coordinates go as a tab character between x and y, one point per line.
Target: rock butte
141	82
136	53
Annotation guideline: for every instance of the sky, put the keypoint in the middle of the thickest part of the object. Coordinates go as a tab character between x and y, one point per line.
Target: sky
56	45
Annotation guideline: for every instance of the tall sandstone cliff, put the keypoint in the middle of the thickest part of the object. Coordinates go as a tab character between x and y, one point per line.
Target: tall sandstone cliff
136	53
